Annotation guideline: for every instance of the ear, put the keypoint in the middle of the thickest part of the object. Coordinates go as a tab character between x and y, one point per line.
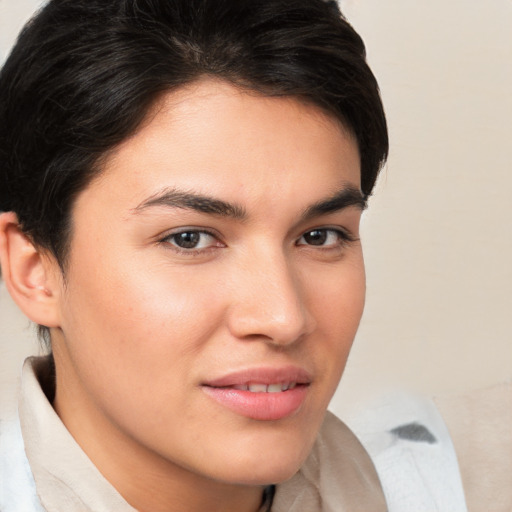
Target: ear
33	278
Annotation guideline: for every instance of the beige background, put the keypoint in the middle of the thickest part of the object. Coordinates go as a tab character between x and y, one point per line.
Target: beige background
437	237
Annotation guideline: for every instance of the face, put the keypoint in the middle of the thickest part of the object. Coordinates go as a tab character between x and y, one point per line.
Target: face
215	286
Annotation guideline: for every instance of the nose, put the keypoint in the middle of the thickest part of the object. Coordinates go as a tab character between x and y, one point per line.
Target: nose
268	301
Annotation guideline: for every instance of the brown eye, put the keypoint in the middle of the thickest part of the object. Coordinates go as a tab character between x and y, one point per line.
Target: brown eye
315	237
324	237
191	240
187	240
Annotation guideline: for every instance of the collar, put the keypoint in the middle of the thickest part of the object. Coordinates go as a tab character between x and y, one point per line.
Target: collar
65	477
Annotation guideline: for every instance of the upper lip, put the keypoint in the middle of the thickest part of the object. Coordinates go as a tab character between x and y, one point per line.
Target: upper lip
261	375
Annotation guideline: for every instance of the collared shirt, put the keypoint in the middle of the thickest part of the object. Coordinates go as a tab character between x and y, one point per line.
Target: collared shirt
338	475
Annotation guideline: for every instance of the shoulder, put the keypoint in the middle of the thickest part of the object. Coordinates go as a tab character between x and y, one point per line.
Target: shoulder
17	488
413	453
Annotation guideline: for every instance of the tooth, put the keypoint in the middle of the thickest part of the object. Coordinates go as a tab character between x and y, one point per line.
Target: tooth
292	385
285	386
241	387
274	388
258	388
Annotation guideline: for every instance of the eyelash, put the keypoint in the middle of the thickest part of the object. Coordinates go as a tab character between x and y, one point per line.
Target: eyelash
343	238
190	251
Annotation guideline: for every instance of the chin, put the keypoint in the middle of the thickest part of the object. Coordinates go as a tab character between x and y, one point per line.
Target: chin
263	475
276	474
268	464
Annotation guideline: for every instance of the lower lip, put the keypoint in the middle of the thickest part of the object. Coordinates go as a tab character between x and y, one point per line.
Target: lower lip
260	406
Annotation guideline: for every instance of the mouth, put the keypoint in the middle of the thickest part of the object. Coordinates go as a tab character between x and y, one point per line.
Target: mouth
266	388
263	394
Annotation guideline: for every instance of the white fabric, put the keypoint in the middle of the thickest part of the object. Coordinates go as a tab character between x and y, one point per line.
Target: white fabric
17	486
420	475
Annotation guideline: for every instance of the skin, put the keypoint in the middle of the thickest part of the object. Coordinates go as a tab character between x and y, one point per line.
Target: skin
139	324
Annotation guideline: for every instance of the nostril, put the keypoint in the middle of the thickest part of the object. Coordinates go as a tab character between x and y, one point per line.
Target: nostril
258	325
268	302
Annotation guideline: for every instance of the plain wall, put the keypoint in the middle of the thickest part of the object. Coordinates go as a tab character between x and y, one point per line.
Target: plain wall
437	235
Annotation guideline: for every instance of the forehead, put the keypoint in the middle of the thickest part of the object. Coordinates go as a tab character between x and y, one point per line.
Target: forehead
213	138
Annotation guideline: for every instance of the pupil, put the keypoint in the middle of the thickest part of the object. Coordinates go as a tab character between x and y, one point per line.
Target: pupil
187	240
316	237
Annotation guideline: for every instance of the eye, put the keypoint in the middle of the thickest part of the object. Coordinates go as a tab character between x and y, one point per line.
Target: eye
324	237
191	239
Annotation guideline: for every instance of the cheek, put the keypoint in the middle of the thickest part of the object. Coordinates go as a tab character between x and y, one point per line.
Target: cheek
136	300
339	300
137	323
134	338
338	306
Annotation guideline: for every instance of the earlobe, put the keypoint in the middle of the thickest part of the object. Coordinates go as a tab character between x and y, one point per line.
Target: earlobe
29	274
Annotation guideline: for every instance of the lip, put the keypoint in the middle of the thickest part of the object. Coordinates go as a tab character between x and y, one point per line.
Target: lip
262	375
260	406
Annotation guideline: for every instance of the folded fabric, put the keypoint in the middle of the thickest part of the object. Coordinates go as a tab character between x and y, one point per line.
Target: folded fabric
413	453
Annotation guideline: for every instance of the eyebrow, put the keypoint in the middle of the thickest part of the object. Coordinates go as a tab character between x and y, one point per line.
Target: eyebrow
348	196
173	198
